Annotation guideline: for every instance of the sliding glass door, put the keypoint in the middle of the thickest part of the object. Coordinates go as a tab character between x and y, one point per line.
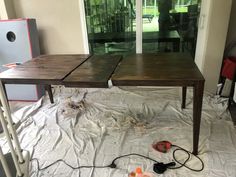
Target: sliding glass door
170	25
164	26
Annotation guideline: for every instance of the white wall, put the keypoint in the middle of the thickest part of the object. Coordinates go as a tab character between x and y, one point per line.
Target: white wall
211	41
58	23
6	9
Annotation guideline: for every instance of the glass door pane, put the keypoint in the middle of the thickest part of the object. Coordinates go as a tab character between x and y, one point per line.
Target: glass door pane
111	26
170	25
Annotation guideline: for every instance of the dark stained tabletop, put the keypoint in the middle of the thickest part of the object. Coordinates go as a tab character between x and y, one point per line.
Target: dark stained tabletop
163	69
51	69
94	72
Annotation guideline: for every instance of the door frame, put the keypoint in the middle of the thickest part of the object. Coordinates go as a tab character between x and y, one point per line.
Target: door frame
84	27
139	26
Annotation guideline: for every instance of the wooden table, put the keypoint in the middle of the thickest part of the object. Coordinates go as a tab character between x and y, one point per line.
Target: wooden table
44	70
95	72
47	70
148	37
167	69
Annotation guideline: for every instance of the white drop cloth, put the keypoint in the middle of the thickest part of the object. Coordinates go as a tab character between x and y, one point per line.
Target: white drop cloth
116	121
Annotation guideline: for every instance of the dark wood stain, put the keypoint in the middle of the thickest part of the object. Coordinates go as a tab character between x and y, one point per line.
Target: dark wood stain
95	72
168	69
44	69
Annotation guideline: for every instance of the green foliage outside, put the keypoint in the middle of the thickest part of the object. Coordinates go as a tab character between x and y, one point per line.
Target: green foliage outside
177	2
151	10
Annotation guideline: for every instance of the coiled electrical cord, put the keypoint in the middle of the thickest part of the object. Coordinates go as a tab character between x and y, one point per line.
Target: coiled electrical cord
178	148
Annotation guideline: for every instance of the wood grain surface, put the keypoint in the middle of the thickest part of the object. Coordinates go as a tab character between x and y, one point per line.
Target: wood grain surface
164	69
46	69
95	72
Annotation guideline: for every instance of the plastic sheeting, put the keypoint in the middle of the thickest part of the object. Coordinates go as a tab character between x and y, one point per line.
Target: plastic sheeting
93	126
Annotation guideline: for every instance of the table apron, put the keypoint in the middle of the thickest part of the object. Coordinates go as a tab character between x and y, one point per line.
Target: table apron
155	83
27	82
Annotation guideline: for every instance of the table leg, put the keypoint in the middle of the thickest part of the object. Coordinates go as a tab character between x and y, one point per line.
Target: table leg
176	45
49	90
184	92
197	111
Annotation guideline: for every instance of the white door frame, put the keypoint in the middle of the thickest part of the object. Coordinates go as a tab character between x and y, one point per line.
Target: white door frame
139	26
202	37
84	27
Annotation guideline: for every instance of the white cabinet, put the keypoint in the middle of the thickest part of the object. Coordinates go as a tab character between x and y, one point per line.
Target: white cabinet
19	43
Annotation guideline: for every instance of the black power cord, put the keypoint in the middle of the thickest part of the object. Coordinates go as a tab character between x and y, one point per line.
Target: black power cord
158	167
112	165
183	164
161	167
60	160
